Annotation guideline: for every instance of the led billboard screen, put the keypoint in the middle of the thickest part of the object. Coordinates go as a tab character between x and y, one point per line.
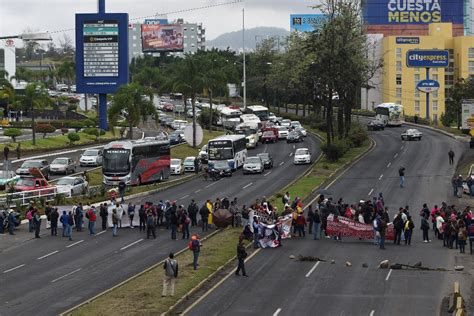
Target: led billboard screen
162	37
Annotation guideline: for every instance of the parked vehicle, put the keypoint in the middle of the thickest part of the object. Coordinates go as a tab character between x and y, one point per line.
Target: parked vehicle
223	167
72	185
176	166
375	125
411	134
62	165
267	160
175	138
203	154
91	157
295	124
230	148
286	123
32	183
302	156
253	165
282	132
40	164
251	135
189	164
294	137
301	130
269	137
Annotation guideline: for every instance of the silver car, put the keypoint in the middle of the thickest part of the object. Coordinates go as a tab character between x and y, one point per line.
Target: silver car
62	165
72	185
91	157
253	165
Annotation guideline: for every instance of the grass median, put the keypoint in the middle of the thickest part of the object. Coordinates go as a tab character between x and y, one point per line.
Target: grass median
142	295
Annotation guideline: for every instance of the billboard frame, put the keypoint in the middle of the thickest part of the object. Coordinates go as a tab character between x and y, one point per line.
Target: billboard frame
162	49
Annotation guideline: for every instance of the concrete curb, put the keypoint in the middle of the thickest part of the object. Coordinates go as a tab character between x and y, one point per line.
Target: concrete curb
130	279
464	138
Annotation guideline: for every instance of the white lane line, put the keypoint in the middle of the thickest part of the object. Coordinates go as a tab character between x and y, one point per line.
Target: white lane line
66	275
77	242
183	197
266	174
294	146
389	164
210	185
372	313
130	245
281	163
245	187
312	269
401	148
381	176
291	154
12	269
100	233
265	149
371	190
197	191
395	156
388	275
278	311
49	254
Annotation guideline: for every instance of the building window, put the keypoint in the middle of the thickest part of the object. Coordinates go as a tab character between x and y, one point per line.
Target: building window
470	53
134	45
435	69
399	53
185	45
192	45
398	79
134	37
399	93
192	29
471	67
417	78
435	106
417	93
192	36
435	94
435	77
399	66
417	106
417	69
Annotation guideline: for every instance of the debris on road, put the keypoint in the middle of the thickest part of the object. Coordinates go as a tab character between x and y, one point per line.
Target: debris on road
292	257
348	264
384	264
365	265
459	268
333	261
309	258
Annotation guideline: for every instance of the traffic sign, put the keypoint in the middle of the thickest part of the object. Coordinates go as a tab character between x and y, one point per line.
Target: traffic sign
428	86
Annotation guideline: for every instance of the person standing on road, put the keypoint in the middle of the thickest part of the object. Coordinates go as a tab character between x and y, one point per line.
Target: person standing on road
92	217
256	228
131	213
173	224
54	222
300	224
241	255
142	216
204	212
316	224
119	212
192	212
121	188
171	274
196	248
150	225
196	165
79	216
29	217
401	173
37	224
115	222
11	222
104	213
425	227
409	226
462	237
459	185
185	220
398	226
382	230
47	211
310	219
451	156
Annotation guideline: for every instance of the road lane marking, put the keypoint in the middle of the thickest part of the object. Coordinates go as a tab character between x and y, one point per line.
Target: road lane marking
66	275
401	148
388	275
371	190
197	191
381	176
49	254
294	146
291	154
187	195
210	185
247	185
266	174
281	163
12	269
312	269
395	156
100	233
372	313
278	311
389	164
130	245
76	243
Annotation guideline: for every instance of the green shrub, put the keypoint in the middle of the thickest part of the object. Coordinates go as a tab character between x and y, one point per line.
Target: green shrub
77	125
45	128
337	149
205	117
357	135
73	137
13	133
72	107
21	124
89	123
93	131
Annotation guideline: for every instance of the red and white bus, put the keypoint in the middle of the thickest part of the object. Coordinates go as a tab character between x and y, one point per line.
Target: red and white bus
136	162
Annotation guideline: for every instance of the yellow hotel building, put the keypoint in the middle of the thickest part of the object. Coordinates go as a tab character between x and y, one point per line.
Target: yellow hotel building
397	82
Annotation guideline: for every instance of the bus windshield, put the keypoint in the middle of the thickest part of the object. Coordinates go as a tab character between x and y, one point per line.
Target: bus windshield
220	150
262	115
116	160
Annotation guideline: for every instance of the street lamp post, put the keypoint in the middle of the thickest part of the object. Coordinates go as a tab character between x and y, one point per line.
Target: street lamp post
243	52
39	36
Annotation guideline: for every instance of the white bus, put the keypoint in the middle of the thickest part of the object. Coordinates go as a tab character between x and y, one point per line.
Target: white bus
229	117
231	148
136	162
391	114
259	110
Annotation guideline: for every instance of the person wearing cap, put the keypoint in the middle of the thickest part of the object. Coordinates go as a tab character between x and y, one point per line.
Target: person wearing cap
459	185
196	248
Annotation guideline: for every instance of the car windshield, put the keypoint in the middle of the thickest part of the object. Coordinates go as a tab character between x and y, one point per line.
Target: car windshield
268	134
31	164
253	160
264	156
175	162
60	161
302	151
26	182
65	181
282	129
286	122
189	160
91	153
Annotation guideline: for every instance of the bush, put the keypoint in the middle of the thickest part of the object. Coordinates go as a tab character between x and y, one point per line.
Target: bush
77	125
89	123
357	135
73	137
420	120
13	133
64	130
45	129
205	115
21	124
337	149
72	107
93	131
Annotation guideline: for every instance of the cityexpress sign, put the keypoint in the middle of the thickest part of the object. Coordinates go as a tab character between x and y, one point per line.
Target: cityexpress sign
379	12
427	58
428	86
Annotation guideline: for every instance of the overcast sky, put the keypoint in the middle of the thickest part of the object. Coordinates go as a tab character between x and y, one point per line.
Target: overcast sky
58	15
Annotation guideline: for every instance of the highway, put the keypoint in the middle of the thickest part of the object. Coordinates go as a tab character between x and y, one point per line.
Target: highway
37	275
280	286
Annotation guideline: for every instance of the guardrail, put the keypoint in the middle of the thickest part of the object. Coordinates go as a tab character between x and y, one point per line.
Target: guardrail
25	197
456	301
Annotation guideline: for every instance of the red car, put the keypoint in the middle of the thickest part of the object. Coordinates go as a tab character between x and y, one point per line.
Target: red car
269	137
36	182
168	107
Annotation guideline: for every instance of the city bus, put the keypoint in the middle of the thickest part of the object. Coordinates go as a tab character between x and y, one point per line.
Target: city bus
136	162
229	117
259	110
391	114
231	148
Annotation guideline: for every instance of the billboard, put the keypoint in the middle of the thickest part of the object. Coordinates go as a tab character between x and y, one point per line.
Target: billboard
408	40
380	12
428	86
427	58
162	37
101	52
306	22
156	21
467	114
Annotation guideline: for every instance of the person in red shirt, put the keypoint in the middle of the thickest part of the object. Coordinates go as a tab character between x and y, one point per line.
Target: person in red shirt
300	224
92	217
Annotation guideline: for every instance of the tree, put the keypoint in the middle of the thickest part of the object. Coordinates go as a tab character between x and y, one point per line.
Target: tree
67	71
135	102
73	137
45	129
66	44
13	133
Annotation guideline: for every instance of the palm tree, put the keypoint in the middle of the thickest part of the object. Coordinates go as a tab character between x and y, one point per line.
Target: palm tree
35	97
135	102
67	70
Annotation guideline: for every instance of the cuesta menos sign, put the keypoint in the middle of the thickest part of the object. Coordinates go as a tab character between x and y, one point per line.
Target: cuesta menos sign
428	86
427	58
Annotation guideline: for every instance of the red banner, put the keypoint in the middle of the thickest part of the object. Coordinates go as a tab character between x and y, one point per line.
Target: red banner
349	228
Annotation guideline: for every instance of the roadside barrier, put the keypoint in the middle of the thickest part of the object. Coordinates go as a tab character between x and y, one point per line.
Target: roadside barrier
456	301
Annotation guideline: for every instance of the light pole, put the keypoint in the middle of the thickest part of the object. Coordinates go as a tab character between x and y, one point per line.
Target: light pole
243	52
39	36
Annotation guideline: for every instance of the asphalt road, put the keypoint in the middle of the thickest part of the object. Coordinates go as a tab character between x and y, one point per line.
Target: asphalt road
280	286
49	275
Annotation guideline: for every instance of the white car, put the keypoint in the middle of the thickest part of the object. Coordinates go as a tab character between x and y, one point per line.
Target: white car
63	165
91	157
411	134
295	124
203	154
272	117
302	130
282	132
302	156
286	123
71	185
176	166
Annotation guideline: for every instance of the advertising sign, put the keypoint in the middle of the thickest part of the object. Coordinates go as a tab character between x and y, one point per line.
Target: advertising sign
428	86
162	37
101	52
427	58
306	22
156	21
378	12
467	114
408	40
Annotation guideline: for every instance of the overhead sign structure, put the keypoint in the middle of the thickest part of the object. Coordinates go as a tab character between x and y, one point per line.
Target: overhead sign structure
428	86
306	22
467	107
162	37
427	58
101	52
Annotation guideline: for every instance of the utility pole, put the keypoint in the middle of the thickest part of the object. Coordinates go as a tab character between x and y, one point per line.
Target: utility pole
243	52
